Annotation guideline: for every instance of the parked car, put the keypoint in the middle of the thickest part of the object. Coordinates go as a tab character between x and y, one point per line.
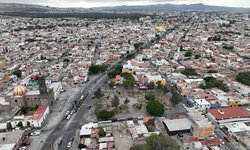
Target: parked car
226	139
68	117
72	112
35	133
23	148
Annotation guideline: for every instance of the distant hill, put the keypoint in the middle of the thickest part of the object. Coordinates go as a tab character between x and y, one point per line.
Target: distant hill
173	7
25	8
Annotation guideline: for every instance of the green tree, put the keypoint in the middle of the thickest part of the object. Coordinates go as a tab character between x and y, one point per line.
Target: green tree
211	82
101	132
18	73
129	56
28	123
129	82
8	126
19	124
189	72
116	71
161	142
157	142
139	147
112	84
243	77
176	98
115	102
98	93
151	86
188	53
105	115
126	101
155	108
197	56
23	110
95	69
150	125
66	60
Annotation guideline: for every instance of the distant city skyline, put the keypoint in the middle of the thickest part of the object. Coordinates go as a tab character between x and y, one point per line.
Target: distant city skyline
102	3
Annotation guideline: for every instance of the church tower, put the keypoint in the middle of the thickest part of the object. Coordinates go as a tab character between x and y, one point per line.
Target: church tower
42	86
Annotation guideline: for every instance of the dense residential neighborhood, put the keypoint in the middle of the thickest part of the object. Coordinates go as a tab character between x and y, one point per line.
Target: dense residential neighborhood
177	80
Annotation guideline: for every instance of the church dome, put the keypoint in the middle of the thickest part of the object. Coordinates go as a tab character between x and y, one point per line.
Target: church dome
20	90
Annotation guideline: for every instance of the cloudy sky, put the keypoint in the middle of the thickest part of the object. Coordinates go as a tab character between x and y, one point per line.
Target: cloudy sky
98	3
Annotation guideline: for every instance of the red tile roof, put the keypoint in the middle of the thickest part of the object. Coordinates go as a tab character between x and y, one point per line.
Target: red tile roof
211	142
39	112
229	112
6	79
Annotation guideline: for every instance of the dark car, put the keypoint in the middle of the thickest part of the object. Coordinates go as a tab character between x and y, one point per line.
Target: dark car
226	139
114	120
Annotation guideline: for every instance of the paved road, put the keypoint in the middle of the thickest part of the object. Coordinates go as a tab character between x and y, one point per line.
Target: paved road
67	127
227	145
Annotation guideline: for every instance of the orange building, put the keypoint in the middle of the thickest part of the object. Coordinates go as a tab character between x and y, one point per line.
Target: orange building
201	128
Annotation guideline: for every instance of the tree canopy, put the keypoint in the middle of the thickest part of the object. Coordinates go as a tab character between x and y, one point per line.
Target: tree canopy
101	132
98	93
129	80
157	142
243	77
116	101
151	86
176	98
189	72
155	108
105	115
19	124
18	73
95	69
188	53
116	71
211	82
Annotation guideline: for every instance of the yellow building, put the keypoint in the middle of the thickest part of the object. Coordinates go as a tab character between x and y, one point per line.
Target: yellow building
163	82
159	27
233	103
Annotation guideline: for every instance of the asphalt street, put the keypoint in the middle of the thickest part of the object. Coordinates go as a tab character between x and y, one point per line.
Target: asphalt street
66	128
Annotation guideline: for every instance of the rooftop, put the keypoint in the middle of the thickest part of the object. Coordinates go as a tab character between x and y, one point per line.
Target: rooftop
11	139
228	112
178	124
39	112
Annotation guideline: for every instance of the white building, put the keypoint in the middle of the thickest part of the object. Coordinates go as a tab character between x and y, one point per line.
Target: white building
57	88
201	104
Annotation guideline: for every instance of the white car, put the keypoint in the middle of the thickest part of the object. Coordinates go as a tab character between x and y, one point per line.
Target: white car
68	117
67	113
72	112
69	144
37	132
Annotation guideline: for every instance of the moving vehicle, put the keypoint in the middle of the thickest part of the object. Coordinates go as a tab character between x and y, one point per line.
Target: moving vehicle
69	144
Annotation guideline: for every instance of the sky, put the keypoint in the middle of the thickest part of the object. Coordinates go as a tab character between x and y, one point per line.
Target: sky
100	3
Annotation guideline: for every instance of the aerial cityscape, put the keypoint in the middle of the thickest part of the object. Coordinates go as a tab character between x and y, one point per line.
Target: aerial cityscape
164	75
